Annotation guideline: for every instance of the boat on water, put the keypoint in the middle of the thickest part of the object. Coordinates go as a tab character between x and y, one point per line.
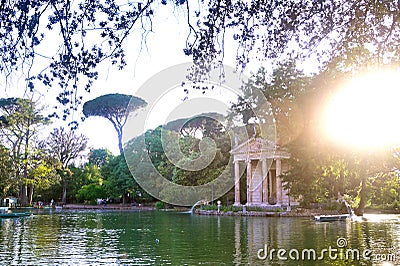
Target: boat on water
15	214
338	217
330	218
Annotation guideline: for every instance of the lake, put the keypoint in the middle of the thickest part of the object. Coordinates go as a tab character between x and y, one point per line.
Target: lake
170	238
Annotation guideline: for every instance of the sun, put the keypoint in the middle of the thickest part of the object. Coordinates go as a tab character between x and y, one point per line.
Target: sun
365	113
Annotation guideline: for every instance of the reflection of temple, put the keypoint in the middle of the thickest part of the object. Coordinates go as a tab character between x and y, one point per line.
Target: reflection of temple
264	164
253	233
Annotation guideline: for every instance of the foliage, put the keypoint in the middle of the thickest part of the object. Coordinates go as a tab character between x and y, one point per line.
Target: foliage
183	149
386	190
282	89
200	177
90	193
99	157
116	108
205	124
201	126
119	183
160	205
6	181
223	208
154	146
81	176
273	29
44	174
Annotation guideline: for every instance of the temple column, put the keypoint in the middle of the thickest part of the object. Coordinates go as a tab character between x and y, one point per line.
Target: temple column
278	182
264	173
249	200
270	188
237	184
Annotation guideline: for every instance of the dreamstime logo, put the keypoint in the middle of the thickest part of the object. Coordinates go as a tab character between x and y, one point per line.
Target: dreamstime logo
340	252
172	100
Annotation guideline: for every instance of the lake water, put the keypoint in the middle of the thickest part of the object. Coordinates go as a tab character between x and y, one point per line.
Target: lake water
167	238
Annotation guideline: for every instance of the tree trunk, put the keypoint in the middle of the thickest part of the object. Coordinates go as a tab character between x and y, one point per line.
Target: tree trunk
24	198
23	195
121	150
361	206
124	198
30	194
64	190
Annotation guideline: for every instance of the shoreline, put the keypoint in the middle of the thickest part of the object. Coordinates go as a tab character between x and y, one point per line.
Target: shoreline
293	213
107	207
298	212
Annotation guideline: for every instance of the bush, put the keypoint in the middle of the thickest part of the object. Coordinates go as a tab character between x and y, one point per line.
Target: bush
160	205
231	208
90	193
209	207
261	209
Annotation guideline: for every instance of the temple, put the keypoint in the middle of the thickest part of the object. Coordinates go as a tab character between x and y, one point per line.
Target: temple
263	163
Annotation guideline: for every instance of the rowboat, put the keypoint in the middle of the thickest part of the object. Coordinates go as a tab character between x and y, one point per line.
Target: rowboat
14	214
330	218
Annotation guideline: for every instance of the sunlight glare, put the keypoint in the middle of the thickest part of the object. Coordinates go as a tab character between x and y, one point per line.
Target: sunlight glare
365	113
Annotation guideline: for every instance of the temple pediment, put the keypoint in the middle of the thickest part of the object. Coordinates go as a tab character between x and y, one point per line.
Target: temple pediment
259	148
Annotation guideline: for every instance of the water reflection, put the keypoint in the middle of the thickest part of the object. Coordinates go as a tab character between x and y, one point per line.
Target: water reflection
147	238
379	241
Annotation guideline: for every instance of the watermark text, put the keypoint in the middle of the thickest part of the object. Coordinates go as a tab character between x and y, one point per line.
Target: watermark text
339	252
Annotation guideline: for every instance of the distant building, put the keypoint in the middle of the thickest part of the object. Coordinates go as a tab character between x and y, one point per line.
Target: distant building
9	202
264	163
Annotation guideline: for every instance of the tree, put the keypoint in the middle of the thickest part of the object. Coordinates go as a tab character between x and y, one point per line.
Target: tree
116	108
66	146
20	120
